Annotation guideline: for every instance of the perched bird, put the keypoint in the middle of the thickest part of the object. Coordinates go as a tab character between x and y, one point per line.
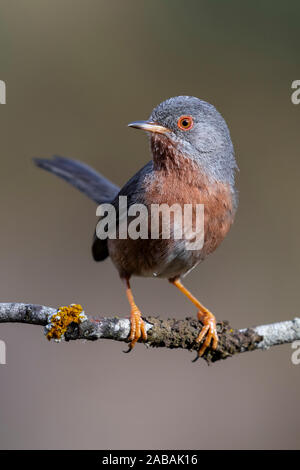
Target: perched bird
192	162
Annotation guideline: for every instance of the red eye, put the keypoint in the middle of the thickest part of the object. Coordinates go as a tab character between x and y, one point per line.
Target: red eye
185	123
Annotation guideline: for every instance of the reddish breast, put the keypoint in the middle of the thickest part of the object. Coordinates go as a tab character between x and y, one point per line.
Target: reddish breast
177	179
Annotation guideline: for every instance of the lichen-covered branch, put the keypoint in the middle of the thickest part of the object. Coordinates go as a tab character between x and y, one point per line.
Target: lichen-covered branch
71	323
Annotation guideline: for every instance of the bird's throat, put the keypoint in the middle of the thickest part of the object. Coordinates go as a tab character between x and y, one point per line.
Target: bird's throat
169	161
166	154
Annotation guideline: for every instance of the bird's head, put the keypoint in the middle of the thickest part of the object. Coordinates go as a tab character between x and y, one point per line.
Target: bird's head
197	130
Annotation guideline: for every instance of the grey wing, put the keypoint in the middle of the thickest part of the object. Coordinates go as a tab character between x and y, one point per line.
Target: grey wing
133	190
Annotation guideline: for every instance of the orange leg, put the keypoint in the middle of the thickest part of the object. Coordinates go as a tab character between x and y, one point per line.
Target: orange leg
209	330
138	328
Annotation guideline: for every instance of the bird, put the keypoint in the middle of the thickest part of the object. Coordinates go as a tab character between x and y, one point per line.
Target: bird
193	162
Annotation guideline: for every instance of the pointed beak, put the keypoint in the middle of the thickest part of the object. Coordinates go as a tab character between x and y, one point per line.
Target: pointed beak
149	127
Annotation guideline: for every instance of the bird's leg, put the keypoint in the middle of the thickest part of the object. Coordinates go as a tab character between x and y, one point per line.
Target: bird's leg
209	330
137	324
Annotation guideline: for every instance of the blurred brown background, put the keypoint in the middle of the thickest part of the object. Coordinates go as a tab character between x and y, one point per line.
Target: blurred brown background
77	72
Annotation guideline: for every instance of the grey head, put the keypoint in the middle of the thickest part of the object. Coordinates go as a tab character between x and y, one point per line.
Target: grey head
199	132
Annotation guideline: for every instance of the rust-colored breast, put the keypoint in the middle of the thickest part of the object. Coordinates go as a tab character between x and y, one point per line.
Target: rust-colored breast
183	182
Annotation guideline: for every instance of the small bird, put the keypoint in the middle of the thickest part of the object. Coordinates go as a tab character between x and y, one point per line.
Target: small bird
193	163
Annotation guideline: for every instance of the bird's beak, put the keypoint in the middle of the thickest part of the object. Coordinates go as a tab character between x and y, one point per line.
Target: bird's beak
149	127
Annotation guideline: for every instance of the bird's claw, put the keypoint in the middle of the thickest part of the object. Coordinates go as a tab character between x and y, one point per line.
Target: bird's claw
207	334
137	329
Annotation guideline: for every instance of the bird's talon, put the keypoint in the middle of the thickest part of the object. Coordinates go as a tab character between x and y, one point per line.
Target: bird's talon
195	359
137	329
208	333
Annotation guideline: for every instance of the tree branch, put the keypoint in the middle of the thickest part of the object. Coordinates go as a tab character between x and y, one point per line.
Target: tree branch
170	333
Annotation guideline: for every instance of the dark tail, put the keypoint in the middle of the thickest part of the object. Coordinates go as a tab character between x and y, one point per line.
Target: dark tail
83	177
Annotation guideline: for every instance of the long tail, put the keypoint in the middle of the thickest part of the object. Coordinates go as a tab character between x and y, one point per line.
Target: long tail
83	177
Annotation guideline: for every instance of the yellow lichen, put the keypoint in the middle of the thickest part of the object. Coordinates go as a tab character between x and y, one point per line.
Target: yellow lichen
60	320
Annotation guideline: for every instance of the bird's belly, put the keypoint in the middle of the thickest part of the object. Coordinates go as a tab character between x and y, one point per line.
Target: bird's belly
152	258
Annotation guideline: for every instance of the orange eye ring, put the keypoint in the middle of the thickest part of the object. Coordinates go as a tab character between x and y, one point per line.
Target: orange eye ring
185	123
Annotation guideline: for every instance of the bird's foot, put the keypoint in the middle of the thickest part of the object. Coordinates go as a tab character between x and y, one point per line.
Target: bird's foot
208	332
137	328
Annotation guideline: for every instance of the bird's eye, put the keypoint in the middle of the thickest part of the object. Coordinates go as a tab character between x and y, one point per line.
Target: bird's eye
185	123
